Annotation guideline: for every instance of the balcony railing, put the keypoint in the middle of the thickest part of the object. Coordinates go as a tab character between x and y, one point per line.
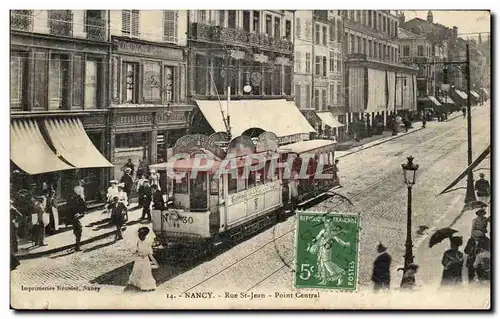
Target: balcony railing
240	37
61	23
21	20
95	28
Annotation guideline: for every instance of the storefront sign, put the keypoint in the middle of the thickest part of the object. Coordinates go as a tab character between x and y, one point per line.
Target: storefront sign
293	138
171	117
148	49
134	119
194	142
252	193
267	141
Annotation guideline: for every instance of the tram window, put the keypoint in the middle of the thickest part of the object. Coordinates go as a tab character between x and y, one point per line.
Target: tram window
214	186
241	183
231	184
259	177
181	186
251	179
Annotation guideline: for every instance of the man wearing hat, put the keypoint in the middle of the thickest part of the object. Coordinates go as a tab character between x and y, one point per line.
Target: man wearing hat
145	198
482	187
474	244
480	222
118	212
158	201
127	181
381	276
77	230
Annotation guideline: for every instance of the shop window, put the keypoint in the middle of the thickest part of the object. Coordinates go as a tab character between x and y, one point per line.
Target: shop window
180	185
131	82
170	26
268	78
91	84
130	23
18	80
58	81
277	80
256	22
151	82
231	19
168	85
324	99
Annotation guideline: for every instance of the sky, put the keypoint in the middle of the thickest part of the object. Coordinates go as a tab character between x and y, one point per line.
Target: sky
466	21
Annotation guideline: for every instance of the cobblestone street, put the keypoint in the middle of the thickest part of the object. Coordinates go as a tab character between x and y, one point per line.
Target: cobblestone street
371	178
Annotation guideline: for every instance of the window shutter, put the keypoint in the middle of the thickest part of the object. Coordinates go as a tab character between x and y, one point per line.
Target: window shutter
135	23
126	22
170	26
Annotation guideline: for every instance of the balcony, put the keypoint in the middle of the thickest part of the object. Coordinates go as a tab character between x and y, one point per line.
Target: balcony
95	28
61	23
240	37
21	20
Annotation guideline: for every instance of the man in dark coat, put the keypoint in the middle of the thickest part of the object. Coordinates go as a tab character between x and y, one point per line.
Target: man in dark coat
127	181
382	269
145	197
118	212
77	230
158	201
474	244
482	186
130	165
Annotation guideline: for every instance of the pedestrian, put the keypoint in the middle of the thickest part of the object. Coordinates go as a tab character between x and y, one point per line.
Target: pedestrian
408	281
51	210
477	241
154	178
77	230
79	189
158	201
112	191
482	186
123	198
293	185
482	265
452	261
141	181
480	222
127	181
381	275
145	198
142	275
464	111
39	209
130	166
118	212
15	218
336	179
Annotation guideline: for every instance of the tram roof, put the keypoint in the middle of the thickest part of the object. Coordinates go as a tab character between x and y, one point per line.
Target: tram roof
305	146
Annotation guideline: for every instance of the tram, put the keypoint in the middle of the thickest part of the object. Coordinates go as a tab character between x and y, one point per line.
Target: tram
223	194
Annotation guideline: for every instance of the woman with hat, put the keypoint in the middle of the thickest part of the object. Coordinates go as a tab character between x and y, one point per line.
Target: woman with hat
381	275
142	276
453	262
480	222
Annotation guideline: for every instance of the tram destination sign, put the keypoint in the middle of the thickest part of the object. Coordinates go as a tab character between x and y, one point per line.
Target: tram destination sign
195	142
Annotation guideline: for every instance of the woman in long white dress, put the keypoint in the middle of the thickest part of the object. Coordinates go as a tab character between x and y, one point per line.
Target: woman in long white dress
142	276
327	270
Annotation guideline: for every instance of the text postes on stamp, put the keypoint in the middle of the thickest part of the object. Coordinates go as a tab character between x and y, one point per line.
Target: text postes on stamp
327	250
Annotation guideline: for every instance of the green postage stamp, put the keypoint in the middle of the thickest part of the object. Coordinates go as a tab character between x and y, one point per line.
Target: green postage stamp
327	248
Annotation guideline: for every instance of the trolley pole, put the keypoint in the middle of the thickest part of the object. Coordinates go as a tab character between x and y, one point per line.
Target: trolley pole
469	195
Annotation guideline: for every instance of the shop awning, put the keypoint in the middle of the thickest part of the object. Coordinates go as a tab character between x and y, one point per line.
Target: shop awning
434	100
474	94
328	119
30	152
280	117
462	94
485	91
72	143
446	100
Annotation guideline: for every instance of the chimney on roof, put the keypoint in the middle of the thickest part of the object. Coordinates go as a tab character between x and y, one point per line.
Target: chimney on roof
455	32
401	18
430	17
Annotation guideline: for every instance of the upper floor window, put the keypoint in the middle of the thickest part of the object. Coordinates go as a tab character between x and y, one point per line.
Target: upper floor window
231	19
325	66
277	27
269	25
91	84
61	22
297	28
131	82
246	20
256	21
420	50
18	79
21	20
168	84
406	50
202	16
151	82
288	30
317	66
58	81
317	34
308	63
325	36
222	18
332	62
130	23
332	31
170	25
95	25
358	16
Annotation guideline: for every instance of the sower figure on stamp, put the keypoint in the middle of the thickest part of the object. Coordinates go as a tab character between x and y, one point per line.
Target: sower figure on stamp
328	271
381	276
118	212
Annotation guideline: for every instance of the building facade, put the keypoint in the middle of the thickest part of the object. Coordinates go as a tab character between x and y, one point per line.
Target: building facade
303	56
148	105
237	58
59	97
371	47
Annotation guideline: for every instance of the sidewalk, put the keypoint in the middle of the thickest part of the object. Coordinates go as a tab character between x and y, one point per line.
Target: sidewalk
95	226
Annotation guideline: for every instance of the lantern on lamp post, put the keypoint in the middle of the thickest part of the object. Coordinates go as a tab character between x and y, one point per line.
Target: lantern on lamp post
410	176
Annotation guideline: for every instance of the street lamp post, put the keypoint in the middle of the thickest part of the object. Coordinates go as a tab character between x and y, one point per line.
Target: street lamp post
470	197
410	174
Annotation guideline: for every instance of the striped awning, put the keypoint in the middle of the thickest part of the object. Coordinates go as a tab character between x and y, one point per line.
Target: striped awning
446	100
328	119
434	100
462	94
29	150
474	94
72	143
